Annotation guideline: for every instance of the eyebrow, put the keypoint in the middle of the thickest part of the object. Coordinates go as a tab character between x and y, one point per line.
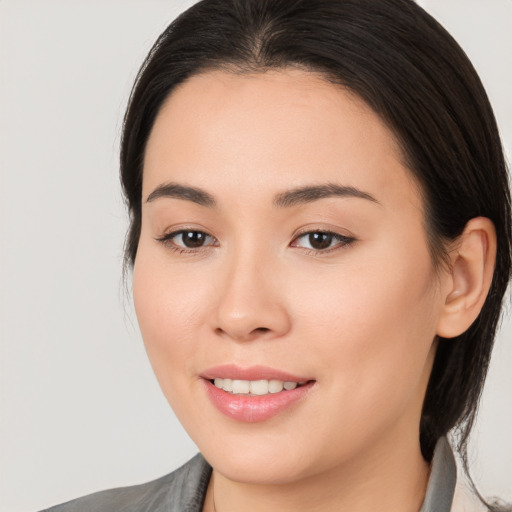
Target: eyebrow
196	195
287	199
308	194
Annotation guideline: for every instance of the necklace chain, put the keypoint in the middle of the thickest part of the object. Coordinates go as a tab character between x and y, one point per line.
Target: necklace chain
213	496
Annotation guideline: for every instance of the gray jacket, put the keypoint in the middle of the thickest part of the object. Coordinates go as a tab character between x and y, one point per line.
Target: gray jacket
184	490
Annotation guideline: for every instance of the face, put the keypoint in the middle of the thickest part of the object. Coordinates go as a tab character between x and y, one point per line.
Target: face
282	242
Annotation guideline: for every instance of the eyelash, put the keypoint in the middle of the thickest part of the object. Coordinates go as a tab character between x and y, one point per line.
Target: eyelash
167	241
342	241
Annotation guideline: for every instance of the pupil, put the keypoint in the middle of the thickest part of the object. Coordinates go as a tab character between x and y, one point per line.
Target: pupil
193	239
320	240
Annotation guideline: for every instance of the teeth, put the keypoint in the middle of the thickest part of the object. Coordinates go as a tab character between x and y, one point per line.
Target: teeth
254	387
259	387
275	386
241	387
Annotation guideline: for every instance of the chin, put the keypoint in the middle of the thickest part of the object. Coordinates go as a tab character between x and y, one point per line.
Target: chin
261	458
259	468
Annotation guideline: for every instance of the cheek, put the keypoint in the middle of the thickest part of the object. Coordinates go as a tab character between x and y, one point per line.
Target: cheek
170	310
372	322
372	344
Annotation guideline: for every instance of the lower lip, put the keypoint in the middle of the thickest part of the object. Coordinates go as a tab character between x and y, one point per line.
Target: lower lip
254	408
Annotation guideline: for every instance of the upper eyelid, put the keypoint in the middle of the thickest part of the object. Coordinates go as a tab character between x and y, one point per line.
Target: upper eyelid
327	231
339	236
307	231
169	233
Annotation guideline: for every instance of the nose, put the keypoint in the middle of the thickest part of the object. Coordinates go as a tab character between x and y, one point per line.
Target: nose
251	300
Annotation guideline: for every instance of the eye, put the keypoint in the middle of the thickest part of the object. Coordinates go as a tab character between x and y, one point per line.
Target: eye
187	240
322	241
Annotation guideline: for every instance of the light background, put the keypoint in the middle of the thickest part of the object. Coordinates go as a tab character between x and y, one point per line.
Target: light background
80	409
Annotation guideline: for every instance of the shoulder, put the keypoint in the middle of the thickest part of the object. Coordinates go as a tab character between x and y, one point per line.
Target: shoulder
183	489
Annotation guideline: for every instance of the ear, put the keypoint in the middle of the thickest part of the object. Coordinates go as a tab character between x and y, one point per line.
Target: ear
469	277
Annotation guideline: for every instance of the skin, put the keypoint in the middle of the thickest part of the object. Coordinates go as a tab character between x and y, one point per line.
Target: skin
360	318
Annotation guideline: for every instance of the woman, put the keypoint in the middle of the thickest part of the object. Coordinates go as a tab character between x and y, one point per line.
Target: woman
320	239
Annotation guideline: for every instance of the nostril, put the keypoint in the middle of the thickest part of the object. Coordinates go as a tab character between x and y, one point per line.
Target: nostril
261	329
247	335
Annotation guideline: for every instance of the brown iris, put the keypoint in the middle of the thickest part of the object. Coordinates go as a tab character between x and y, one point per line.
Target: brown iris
193	239
320	240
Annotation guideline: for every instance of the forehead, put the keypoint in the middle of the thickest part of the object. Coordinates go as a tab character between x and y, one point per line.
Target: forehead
272	130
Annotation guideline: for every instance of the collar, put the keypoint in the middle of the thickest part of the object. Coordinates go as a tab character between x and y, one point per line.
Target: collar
442	481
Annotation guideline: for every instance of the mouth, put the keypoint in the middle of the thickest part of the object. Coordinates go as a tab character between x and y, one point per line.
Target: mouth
255	387
255	394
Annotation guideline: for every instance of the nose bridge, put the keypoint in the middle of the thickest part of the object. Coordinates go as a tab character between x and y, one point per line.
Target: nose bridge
251	302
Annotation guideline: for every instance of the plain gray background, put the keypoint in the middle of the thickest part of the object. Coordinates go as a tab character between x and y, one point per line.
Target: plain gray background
80	408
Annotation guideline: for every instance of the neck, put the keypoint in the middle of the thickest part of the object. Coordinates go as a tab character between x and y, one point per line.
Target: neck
390	477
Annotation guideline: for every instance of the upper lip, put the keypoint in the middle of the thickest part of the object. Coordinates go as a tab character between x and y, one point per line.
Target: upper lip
231	371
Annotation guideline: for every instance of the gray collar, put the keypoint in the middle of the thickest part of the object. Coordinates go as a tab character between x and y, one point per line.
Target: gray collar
184	490
443	476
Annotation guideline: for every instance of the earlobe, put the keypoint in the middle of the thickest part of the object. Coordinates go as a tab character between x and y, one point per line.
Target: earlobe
470	277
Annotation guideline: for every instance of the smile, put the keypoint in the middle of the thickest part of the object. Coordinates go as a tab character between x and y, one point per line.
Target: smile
254	394
254	387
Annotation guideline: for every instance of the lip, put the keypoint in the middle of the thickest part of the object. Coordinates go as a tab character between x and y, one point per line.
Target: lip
252	409
231	371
